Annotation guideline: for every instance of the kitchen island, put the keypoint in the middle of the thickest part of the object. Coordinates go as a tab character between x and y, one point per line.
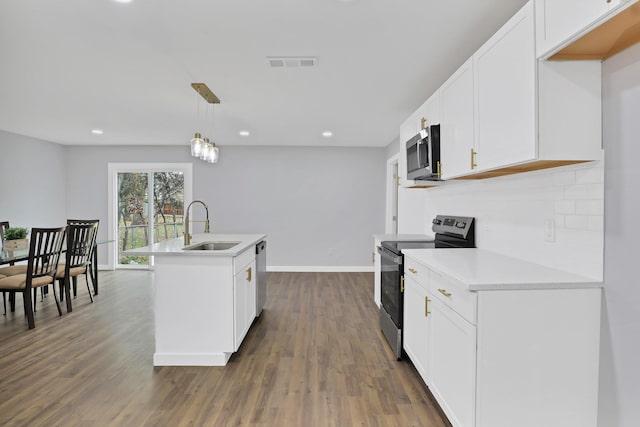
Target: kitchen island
205	297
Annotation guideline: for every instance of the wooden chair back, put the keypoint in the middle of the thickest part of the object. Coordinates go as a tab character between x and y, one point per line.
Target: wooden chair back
44	252
84	222
80	241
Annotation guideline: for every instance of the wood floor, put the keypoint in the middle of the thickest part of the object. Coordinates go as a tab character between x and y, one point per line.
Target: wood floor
314	358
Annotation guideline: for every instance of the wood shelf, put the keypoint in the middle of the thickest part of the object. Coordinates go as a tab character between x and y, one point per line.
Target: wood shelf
607	39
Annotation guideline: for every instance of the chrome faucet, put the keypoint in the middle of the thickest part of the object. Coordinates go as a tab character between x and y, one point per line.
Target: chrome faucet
187	236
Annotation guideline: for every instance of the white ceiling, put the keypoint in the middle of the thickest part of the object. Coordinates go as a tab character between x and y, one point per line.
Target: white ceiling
70	66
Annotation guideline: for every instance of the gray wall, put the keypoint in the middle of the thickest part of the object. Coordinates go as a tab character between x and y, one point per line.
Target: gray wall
32	178
620	339
392	149
319	206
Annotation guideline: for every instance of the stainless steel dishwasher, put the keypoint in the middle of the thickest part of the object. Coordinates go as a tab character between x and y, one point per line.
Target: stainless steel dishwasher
261	276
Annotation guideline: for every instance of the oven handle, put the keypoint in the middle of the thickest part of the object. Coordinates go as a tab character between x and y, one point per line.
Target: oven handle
390	256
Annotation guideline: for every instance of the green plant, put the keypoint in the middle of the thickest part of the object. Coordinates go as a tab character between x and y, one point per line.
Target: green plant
15	233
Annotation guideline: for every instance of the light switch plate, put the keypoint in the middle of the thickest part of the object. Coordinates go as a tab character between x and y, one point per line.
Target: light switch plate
549	230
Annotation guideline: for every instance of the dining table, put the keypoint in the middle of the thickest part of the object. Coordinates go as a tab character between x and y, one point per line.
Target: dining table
13	257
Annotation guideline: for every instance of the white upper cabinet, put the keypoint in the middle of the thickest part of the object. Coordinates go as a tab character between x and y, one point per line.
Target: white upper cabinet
429	113
590	29
560	20
504	111
524	114
505	94
457	124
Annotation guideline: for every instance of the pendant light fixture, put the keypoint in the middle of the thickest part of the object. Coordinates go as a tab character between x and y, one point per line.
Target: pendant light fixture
205	148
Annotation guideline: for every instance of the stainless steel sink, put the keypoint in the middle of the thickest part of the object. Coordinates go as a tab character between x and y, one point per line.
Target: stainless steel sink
211	246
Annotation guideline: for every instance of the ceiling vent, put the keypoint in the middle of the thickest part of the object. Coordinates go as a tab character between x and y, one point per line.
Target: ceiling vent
292	61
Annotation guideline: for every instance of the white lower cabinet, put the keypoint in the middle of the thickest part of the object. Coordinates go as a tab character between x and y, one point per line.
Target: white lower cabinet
244	296
416	325
504	357
452	363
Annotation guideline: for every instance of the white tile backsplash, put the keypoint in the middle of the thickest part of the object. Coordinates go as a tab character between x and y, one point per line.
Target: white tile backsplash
566	207
511	211
589	207
576	222
590	176
565	178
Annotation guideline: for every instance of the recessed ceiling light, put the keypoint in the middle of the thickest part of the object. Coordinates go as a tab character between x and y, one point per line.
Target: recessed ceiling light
244	133
97	132
327	134
123	1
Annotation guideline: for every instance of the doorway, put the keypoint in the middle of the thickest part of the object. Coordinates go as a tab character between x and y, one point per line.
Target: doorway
146	204
391	216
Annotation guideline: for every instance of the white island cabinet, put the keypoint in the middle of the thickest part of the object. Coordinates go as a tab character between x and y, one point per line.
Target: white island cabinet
204	300
501	342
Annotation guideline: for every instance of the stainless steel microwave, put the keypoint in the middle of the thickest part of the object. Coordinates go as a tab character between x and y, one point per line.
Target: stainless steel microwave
423	155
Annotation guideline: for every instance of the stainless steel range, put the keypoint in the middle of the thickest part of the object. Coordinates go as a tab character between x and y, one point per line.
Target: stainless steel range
451	232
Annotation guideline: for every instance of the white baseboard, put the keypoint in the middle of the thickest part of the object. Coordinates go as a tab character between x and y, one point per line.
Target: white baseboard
190	359
299	269
321	269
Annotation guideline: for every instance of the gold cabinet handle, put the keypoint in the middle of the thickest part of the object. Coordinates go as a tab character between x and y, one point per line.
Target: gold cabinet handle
373	257
426	307
423	123
401	283
413	271
249	271
473	158
445	293
439	169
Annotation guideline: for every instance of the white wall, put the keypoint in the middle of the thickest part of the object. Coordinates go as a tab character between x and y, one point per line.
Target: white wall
620	339
32	177
319	206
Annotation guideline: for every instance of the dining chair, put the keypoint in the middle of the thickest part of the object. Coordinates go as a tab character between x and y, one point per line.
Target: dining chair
93	267
8	271
44	252
80	241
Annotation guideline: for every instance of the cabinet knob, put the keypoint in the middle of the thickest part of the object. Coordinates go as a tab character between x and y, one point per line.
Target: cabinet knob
445	293
413	271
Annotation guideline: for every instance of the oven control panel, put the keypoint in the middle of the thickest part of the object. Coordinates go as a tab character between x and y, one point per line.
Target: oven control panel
452	225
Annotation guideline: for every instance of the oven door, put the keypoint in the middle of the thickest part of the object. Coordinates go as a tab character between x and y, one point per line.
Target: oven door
390	284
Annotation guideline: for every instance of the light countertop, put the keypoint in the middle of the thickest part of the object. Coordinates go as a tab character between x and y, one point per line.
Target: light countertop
383	237
176	247
481	270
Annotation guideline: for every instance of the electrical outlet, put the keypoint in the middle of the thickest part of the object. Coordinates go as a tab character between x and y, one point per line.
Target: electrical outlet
549	230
